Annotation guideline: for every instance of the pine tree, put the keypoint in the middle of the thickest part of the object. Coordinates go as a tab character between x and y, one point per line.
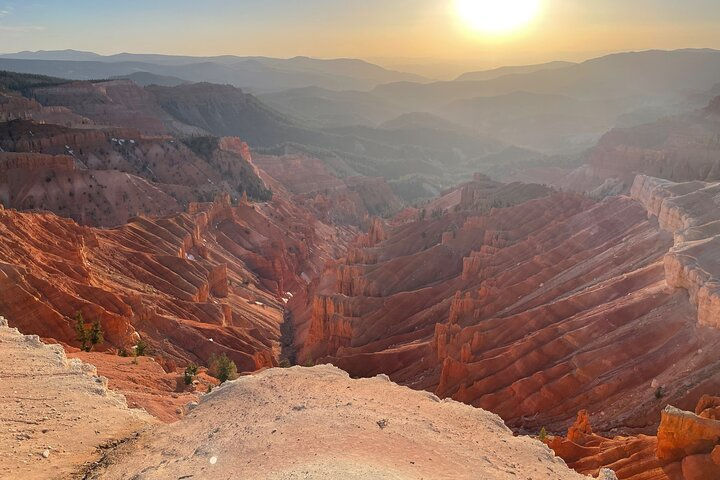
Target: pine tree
96	334
82	333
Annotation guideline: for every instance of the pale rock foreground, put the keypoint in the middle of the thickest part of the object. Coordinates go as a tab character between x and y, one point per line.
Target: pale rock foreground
317	423
54	412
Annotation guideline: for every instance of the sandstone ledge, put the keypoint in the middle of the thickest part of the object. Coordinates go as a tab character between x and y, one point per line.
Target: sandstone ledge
318	423
691	212
55	412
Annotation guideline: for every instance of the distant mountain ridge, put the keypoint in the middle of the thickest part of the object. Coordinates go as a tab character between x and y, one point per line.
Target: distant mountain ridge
255	73
501	71
612	76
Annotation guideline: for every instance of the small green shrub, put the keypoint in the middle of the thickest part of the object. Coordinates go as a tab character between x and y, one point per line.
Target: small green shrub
223	368
190	373
141	348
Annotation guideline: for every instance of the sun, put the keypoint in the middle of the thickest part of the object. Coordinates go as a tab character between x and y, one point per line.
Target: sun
497	16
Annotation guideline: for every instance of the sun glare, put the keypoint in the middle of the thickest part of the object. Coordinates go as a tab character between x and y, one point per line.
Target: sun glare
497	16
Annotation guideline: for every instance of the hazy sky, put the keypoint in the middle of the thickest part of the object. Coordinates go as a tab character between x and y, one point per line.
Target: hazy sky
398	30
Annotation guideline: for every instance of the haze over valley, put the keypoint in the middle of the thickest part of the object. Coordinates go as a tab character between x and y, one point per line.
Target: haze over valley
337	247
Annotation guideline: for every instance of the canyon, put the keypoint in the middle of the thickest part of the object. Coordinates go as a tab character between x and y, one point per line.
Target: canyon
191	285
597	292
533	311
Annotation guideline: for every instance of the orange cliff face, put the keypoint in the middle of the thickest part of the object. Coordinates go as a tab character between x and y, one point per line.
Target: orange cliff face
533	311
687	447
213	279
192	285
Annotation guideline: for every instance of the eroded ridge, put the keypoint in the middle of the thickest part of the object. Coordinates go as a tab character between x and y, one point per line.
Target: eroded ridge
691	212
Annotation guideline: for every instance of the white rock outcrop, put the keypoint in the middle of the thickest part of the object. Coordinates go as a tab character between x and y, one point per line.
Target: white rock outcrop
691	212
55	412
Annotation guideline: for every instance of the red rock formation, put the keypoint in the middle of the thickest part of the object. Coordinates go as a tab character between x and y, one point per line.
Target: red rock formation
213	279
117	173
480	195
190	284
330	322
237	146
682	434
708	407
35	161
14	106
681	148
17	107
53	182
563	306
686	448
631	458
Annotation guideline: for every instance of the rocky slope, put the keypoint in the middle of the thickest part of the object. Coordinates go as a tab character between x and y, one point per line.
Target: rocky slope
189	276
533	312
680	148
690	212
525	301
120	103
687	447
211	280
336	200
318	423
144	382
56	412
104	176
436	157
14	106
419	159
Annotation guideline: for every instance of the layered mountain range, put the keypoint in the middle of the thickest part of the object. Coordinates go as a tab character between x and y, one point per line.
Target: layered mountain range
196	220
